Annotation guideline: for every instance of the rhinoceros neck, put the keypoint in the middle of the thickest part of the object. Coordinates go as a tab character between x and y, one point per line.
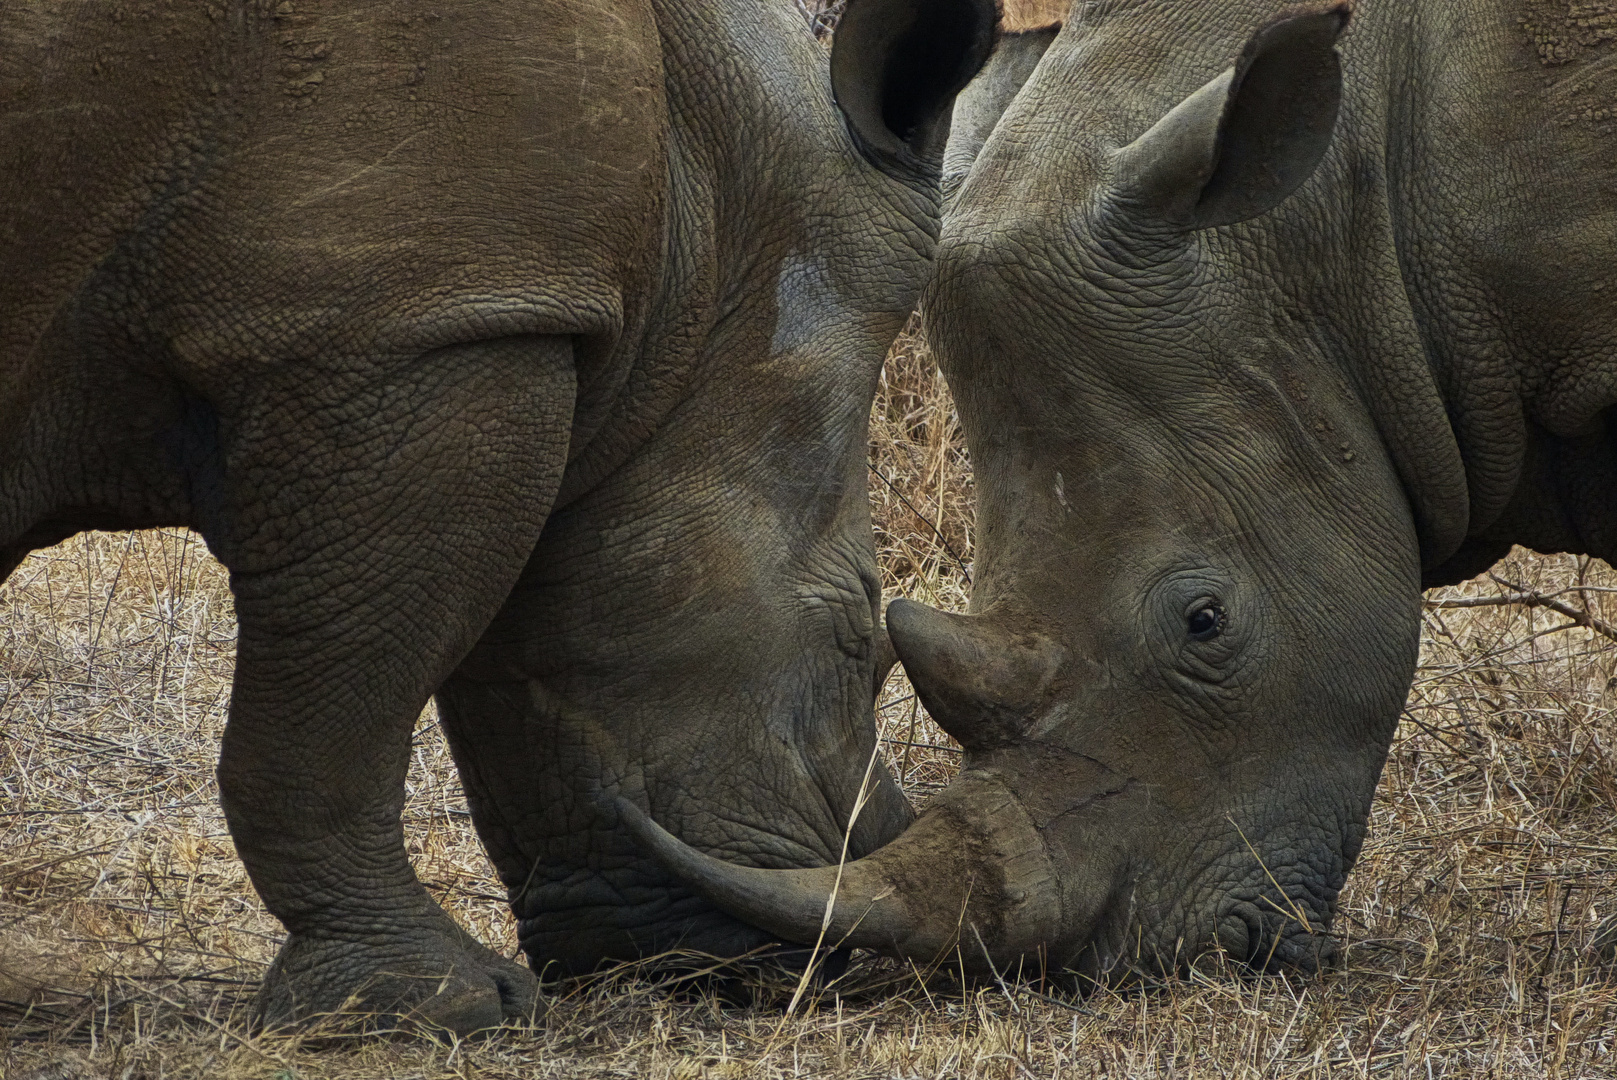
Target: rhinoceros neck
1500	174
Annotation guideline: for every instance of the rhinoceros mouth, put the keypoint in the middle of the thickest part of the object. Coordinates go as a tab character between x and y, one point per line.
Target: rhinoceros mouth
1268	938
973	885
993	901
585	939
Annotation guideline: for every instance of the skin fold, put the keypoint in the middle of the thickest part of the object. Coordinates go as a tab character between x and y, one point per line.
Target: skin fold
519	354
1259	320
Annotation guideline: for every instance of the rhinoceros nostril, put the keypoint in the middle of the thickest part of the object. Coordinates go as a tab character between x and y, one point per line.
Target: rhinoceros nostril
1309	953
1239	934
1268	942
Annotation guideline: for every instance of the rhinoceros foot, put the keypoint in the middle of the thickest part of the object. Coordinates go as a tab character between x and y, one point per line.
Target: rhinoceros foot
436	979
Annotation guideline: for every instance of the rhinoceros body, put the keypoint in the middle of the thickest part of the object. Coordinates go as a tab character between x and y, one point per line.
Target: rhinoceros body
1251	336
519	353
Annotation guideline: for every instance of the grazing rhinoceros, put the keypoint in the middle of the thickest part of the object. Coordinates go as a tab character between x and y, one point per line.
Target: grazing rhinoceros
1236	387
516	352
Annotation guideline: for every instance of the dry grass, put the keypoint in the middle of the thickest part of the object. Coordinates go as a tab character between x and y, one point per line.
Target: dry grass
131	940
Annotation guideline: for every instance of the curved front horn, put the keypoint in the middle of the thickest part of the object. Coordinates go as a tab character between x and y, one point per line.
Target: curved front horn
978	680
985	885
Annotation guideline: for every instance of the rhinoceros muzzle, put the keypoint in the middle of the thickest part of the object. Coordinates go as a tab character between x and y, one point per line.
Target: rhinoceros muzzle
1266	941
1009	868
1036	860
981	890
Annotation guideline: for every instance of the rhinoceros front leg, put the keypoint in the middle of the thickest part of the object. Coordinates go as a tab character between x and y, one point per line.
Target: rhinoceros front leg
372	532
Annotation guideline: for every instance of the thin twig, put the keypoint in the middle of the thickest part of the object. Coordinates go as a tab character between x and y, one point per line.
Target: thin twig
1530	598
1004	989
831	900
924	521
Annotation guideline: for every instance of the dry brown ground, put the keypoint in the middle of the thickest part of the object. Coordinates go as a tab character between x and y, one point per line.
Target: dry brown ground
130	940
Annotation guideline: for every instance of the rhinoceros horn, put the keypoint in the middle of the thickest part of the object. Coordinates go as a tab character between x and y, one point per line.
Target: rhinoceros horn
985	870
980	681
972	872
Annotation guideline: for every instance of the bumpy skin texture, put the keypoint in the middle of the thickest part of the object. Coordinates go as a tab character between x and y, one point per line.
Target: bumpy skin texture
1298	419
519	353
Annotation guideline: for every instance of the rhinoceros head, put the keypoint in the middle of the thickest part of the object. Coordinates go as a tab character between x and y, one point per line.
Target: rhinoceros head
1181	675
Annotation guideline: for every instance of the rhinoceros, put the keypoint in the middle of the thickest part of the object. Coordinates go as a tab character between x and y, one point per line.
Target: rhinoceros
518	353
1253	334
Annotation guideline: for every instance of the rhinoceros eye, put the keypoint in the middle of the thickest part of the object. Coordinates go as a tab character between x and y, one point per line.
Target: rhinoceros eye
1206	622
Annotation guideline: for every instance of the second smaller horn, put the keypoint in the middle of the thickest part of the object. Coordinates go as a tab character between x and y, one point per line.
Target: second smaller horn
980	681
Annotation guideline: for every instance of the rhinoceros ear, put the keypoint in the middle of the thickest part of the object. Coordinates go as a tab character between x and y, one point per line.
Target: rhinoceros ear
896	66
978	108
1238	146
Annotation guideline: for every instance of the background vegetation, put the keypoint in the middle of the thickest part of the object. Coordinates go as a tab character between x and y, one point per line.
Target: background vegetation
130	940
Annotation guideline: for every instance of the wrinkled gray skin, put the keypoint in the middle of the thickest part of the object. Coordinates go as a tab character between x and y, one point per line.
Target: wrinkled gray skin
978	108
1239	375
519	353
